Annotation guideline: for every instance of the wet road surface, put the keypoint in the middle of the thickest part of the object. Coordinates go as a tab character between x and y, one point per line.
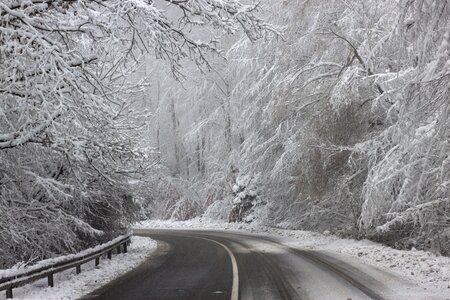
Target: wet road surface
210	265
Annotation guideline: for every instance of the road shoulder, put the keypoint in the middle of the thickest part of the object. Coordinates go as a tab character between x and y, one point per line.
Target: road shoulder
69	285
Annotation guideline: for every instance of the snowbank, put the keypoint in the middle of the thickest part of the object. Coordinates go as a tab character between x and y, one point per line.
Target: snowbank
21	268
68	285
428	271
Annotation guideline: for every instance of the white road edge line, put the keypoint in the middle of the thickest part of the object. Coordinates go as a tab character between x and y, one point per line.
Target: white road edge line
235	284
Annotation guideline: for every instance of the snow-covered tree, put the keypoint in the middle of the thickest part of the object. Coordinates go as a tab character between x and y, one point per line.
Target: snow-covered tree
71	92
344	120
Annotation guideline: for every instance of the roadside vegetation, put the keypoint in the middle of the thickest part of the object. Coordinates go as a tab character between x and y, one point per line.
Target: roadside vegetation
336	118
341	124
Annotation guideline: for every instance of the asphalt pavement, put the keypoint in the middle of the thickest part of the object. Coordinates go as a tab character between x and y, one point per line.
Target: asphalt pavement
210	265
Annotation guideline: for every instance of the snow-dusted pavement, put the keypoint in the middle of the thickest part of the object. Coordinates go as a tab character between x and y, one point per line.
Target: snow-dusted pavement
182	268
314	266
69	285
204	260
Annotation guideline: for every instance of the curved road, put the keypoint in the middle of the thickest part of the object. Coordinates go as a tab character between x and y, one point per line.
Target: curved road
225	265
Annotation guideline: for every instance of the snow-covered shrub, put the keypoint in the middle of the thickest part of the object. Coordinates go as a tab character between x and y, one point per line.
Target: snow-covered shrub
158	196
45	210
245	199
219	210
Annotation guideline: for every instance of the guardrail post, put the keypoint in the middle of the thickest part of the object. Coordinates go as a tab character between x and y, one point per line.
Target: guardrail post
10	282
50	279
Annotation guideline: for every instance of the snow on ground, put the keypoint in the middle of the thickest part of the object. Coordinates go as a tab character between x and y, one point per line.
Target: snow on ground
69	285
429	271
20	269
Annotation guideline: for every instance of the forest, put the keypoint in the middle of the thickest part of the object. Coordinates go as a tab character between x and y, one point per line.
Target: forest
321	115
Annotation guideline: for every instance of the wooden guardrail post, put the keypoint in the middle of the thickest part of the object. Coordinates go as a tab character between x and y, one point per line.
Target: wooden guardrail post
97	261
50	279
125	250
9	293
78	268
108	254
118	249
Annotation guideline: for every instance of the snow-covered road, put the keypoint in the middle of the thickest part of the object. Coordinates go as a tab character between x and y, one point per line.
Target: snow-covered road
206	264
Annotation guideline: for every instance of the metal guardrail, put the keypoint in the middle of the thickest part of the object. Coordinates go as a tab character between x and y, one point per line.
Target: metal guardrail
9	282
